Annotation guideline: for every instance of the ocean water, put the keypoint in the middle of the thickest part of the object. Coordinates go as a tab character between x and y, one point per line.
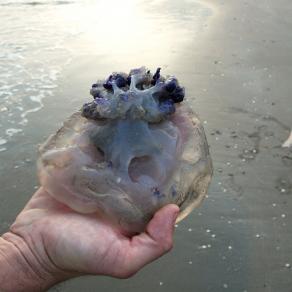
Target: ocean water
234	60
38	39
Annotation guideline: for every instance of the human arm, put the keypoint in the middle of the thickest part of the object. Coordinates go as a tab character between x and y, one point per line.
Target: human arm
49	243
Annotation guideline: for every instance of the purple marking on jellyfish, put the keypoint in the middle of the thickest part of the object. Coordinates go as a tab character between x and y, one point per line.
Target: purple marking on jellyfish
101	101
178	94
96	93
171	85
156	192
108	83
173	191
129	80
124	96
167	106
156	76
88	109
120	80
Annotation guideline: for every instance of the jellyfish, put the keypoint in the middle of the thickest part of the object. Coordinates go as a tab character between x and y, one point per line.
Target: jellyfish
134	148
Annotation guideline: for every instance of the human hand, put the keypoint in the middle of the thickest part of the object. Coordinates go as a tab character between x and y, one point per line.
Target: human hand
58	243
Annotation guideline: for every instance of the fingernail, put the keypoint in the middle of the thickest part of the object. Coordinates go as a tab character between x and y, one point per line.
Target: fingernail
175	217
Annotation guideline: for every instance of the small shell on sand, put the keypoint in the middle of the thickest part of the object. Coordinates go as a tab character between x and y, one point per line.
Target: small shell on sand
288	142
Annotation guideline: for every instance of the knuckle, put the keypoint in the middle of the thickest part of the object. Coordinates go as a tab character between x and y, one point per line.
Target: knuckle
167	245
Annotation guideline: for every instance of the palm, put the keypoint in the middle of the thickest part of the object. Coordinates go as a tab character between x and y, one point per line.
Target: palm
81	243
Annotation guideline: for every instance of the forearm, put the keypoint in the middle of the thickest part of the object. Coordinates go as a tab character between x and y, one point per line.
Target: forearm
19	268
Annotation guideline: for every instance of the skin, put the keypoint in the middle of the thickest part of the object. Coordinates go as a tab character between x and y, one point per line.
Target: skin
49	243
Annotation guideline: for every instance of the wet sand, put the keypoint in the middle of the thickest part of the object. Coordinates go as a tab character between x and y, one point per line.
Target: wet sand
235	61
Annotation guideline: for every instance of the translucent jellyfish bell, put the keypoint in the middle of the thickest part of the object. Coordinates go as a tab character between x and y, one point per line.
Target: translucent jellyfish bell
133	149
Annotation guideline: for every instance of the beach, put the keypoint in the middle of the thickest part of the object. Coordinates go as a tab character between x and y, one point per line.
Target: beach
235	61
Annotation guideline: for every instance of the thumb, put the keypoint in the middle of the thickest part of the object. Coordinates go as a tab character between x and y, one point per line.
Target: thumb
155	241
160	228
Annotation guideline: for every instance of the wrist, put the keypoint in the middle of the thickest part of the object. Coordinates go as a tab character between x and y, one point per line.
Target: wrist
20	269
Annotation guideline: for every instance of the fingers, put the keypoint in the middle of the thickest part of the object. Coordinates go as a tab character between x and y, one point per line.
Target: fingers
156	241
41	199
